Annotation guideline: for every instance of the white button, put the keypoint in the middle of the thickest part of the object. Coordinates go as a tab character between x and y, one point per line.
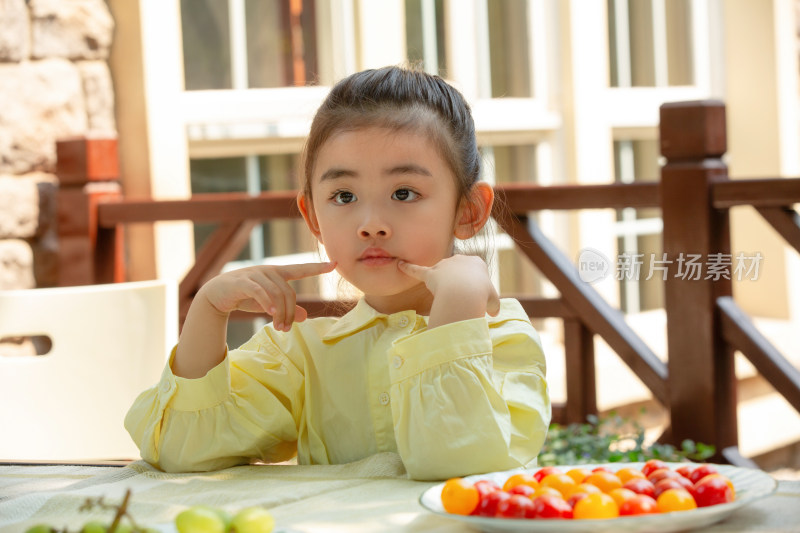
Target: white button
165	387
384	398
397	361
402	321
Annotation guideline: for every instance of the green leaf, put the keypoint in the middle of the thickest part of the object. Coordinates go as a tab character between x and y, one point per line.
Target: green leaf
611	438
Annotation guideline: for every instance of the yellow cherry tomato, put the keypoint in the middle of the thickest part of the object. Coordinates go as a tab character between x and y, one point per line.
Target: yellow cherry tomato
521	479
605	481
459	496
579	474
621	494
675	500
582	487
626	474
561	482
546	490
597	505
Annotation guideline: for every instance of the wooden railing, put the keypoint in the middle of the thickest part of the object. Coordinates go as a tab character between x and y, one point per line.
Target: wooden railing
697	384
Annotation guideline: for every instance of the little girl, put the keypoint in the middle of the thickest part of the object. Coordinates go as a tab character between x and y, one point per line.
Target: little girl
430	364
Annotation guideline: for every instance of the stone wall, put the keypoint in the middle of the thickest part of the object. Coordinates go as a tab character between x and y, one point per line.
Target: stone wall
54	83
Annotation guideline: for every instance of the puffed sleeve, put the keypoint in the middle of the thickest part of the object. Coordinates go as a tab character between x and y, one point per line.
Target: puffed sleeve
247	407
470	397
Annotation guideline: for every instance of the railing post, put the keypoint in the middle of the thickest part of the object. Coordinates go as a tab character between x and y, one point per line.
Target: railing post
581	376
702	381
88	172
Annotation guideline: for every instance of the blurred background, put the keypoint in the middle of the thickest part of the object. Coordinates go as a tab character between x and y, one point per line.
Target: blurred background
217	96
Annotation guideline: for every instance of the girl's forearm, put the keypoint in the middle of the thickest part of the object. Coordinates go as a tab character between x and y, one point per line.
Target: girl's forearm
201	346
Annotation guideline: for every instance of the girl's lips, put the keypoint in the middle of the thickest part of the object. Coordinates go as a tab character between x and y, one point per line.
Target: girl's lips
376	257
377	260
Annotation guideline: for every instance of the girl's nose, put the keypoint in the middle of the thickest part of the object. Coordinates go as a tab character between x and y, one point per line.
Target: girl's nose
374	226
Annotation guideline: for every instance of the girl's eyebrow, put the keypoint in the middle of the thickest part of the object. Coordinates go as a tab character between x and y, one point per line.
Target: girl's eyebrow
409	168
333	173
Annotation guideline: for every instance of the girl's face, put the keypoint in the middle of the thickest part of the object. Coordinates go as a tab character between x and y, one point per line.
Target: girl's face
380	196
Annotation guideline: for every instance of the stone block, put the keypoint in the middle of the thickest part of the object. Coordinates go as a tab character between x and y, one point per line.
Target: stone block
48	104
77	29
15	36
16	265
19	207
98	92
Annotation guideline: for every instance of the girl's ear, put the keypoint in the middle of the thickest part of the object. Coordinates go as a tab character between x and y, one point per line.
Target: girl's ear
474	210
306	207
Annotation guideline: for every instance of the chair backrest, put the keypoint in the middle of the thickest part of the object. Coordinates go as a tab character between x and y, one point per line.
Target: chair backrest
109	343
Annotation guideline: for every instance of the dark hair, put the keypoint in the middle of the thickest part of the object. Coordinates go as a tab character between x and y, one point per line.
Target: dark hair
400	99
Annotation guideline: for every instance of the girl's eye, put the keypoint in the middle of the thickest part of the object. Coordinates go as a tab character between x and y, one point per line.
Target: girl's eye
343	197
404	195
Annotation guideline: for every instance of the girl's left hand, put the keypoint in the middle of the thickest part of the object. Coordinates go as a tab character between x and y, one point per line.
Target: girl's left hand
461	288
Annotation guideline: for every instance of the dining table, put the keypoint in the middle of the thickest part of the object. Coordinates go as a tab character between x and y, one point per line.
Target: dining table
370	495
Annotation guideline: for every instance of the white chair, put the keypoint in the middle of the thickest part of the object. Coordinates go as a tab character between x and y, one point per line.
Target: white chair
109	343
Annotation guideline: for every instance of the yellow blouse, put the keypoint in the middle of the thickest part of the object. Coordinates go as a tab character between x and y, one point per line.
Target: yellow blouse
464	398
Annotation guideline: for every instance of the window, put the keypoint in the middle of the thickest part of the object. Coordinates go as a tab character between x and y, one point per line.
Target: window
240	44
651	43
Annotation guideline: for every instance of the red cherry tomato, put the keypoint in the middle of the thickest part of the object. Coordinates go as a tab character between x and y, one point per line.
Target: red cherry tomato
653	465
546	471
641	486
522	490
549	506
601	469
487	506
712	490
685	470
679	482
575	497
484	488
702	471
662	473
639	504
515	506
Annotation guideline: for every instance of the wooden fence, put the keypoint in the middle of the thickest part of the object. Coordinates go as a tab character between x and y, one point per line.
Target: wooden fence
705	326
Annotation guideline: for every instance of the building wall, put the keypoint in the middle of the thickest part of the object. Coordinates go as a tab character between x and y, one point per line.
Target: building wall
54	83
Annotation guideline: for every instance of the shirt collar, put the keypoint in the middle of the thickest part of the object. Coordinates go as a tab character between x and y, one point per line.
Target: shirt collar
358	318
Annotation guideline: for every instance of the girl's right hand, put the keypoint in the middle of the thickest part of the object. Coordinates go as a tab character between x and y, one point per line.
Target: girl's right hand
262	289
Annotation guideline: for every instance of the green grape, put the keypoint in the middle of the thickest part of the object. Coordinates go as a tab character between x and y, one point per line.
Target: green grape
94	526
199	519
222	513
252	520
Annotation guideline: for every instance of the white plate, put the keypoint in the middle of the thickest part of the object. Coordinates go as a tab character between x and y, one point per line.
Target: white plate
750	485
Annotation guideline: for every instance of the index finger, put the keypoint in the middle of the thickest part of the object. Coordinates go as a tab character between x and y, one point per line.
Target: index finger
415	271
304	270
